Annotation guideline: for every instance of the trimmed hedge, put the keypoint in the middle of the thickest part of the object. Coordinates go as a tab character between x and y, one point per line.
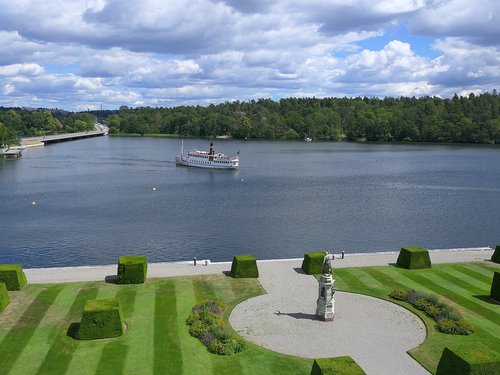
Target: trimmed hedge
13	276
4	297
496	255
313	262
101	319
132	269
339	365
495	287
413	258
470	360
244	266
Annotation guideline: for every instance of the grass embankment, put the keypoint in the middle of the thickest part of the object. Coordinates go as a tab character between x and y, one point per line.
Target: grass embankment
466	286
33	331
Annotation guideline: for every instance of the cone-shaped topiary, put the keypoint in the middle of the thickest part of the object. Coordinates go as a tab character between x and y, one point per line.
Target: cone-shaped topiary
244	266
496	255
101	319
413	258
13	276
313	262
4	297
132	269
495	287
339	365
468	360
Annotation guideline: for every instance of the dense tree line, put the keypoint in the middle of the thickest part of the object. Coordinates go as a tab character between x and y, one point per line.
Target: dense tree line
17	122
472	119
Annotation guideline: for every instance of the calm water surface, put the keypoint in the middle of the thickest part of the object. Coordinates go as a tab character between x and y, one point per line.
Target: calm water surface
95	200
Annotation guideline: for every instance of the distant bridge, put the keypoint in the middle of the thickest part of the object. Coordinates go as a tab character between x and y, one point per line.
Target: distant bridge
41	141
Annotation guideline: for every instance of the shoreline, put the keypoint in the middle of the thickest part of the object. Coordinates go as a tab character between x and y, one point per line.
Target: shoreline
205	267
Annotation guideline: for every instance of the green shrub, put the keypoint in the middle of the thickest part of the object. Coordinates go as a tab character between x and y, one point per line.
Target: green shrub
206	323
496	255
413	258
244	266
101	319
468	360
455	327
313	262
132	269
13	276
422	304
339	365
4	297
399	294
495	287
448	319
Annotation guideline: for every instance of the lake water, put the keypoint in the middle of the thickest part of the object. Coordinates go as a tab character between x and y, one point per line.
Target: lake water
94	200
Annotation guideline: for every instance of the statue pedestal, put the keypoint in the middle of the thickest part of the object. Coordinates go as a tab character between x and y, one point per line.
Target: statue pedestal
325	305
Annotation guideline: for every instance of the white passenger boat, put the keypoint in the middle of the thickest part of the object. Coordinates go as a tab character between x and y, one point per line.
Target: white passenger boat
207	159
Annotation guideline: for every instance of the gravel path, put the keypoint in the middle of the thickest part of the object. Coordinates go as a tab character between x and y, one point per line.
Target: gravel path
375	333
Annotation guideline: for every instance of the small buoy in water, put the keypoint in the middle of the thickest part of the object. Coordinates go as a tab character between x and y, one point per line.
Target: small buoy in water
33	203
154	189
242	180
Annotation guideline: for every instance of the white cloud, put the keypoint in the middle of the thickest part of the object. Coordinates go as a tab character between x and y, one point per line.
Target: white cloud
29	69
8	88
82	53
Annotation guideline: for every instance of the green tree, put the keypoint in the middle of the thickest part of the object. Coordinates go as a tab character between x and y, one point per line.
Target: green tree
8	136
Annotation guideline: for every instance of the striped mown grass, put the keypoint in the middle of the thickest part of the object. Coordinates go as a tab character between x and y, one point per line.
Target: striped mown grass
34	330
465	286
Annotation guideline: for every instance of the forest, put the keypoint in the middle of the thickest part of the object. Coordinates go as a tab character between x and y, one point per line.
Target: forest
469	119
472	119
17	122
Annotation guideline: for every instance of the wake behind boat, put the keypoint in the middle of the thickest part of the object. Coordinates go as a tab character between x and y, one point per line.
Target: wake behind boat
207	159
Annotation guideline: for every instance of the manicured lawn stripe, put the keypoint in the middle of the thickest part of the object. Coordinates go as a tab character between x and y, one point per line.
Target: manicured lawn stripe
203	289
87	354
481	268
114	353
483	287
113	358
345	278
167	353
481	277
140	333
36	349
388	276
462	289
126	294
14	342
59	356
469	288
366	277
453	296
188	295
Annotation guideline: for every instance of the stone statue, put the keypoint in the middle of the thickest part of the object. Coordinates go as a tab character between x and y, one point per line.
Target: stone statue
327	264
325	304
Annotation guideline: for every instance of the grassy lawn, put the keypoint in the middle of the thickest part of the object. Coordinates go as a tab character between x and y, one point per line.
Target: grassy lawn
464	285
33	328
33	331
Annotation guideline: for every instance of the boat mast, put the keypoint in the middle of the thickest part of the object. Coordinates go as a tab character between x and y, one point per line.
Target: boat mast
182	147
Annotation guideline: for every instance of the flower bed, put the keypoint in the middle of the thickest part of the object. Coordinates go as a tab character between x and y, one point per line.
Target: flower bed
207	324
447	318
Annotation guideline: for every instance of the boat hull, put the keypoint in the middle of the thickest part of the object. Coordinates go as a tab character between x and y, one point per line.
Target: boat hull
205	164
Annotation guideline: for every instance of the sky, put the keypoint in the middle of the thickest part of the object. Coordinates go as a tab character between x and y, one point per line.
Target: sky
91	54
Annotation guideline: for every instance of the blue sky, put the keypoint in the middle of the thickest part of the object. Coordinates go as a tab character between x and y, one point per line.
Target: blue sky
79	54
